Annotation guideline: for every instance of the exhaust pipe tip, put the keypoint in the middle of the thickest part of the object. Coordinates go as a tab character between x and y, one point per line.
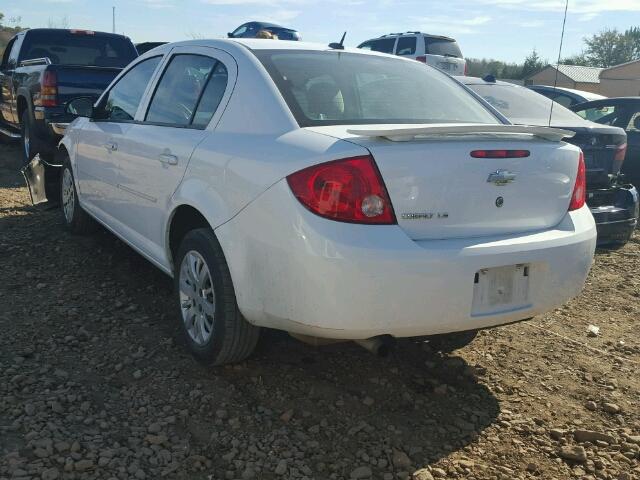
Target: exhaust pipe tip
379	346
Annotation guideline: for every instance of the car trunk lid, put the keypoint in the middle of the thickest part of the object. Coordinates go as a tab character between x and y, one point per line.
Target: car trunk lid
439	191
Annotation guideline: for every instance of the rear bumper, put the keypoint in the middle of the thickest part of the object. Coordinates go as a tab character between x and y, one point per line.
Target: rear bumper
298	272
616	219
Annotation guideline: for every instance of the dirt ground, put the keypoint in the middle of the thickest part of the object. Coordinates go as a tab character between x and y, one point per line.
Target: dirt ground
95	381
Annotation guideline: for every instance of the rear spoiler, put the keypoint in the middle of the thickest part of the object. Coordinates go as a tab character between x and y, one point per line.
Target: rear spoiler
403	133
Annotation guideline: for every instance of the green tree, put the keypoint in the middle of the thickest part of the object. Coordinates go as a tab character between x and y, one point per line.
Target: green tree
532	64
609	47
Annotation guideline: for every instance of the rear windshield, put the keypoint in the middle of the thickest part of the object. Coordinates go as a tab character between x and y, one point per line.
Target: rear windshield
66	48
524	106
342	88
441	46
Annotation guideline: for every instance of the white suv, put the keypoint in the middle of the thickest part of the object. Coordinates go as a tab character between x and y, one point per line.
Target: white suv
435	50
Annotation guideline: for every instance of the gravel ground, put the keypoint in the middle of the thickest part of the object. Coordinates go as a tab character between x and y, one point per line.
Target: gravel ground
95	381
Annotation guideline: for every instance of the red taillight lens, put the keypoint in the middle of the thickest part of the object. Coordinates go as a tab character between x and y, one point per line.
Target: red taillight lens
421	58
49	89
580	187
500	153
348	190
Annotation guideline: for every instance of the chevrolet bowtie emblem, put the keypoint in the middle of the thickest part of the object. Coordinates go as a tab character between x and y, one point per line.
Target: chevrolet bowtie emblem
501	177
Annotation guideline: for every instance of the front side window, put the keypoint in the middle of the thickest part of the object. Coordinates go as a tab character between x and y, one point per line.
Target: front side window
342	88
175	99
406	46
121	102
604	114
239	31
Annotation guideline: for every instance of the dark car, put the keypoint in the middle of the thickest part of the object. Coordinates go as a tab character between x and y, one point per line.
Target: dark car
567	97
623	112
42	69
144	47
250	30
613	203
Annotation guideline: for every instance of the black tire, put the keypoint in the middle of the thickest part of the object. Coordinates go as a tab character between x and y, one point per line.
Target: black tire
451	342
231	338
78	221
28	140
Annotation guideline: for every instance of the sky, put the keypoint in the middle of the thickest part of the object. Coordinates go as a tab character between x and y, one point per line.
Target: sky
502	29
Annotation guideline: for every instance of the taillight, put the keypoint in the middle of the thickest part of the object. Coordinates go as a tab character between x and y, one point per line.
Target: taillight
621	151
580	188
348	190
421	58
500	153
49	89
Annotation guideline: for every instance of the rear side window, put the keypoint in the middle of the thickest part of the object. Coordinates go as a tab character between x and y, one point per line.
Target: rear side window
341	88
175	99
383	45
406	46
63	47
121	102
442	46
213	93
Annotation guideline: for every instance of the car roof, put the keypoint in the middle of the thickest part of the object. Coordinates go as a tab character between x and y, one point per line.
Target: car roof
399	34
266	44
607	101
71	30
581	93
481	81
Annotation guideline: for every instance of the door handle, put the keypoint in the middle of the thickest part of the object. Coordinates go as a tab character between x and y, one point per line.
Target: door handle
110	146
168	158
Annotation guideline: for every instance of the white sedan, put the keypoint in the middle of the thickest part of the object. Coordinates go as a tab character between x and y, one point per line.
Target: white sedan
330	193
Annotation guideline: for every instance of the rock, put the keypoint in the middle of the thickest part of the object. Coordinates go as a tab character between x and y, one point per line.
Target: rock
368	401
156	439
439	472
591	436
591	405
155	428
137	374
222	414
611	408
400	460
286	416
140	474
361	472
422	474
593	331
248	474
29	409
281	468
556	433
573	453
466	463
83	465
50	474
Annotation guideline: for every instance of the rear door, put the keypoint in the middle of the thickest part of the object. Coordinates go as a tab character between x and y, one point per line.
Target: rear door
445	54
157	148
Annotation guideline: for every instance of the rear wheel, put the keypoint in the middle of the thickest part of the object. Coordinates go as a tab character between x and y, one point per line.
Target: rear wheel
213	326
73	215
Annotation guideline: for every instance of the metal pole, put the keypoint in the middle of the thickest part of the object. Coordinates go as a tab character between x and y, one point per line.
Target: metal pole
113	16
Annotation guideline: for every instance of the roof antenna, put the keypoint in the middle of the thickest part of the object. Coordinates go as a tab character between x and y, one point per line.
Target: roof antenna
338	46
555	82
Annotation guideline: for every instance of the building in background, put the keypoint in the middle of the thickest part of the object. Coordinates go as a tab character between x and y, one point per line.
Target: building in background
569	76
621	80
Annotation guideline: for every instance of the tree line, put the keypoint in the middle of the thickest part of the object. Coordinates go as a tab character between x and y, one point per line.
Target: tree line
605	49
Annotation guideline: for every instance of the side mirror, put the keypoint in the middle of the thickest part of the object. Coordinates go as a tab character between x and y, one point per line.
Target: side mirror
80	107
230	35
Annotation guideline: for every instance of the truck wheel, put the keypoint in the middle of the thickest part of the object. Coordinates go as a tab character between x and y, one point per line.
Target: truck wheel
213	326
27	138
73	215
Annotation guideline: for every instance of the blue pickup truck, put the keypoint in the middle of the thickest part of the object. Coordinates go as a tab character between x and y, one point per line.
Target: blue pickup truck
42	69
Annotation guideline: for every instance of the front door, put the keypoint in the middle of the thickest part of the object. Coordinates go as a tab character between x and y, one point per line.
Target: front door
157	148
98	149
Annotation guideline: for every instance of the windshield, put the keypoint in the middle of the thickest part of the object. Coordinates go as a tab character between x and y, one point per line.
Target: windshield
524	106
442	46
63	47
341	88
